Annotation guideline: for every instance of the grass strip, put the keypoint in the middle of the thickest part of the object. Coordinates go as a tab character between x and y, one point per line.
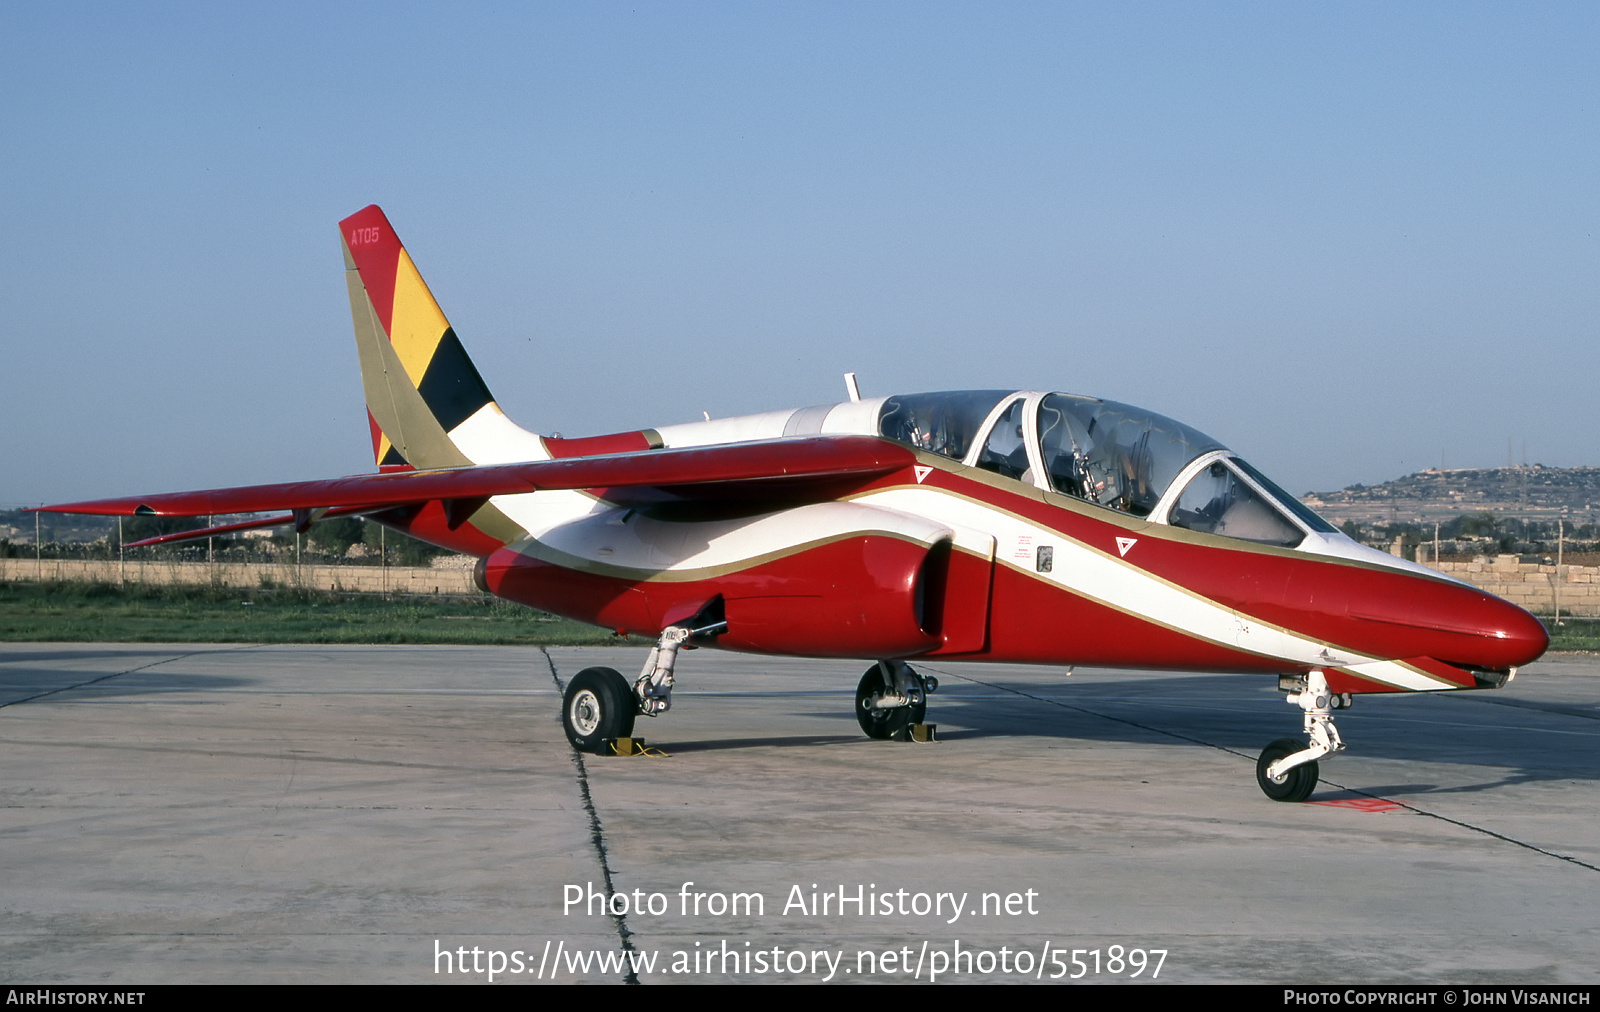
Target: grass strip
105	613
1573	634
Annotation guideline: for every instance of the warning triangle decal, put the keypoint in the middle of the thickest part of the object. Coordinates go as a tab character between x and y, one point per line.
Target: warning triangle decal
1123	544
922	472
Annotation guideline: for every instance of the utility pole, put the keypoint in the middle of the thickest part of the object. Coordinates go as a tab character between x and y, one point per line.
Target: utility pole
38	554
122	559
1561	536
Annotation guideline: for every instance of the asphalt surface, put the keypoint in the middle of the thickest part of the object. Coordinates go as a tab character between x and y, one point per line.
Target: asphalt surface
374	814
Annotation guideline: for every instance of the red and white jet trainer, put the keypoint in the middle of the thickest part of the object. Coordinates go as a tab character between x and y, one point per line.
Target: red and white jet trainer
999	525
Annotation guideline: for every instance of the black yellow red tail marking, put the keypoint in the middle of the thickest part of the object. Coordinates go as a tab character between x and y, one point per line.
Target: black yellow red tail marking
419	382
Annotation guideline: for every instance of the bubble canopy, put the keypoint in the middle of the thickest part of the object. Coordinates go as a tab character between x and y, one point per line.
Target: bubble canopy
1103	452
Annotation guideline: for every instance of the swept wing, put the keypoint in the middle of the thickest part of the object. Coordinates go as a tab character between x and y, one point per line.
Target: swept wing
781	470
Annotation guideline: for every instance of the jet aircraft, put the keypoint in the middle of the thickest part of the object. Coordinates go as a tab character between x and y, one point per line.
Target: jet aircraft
1001	525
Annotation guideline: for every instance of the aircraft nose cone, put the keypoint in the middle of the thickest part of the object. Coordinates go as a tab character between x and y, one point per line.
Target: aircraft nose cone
1489	632
1451	622
1517	638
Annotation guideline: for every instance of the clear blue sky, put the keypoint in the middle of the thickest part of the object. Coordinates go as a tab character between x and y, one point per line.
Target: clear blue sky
1343	238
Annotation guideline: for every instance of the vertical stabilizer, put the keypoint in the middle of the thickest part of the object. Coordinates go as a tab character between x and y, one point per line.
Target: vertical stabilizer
419	382
423	392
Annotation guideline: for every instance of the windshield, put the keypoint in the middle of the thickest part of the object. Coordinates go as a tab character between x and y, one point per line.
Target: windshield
1114	454
1307	515
1216	501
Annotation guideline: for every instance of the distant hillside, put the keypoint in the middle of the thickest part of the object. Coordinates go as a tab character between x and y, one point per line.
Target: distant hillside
1529	493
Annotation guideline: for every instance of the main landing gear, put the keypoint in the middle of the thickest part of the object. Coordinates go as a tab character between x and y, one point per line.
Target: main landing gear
1287	770
599	705
891	697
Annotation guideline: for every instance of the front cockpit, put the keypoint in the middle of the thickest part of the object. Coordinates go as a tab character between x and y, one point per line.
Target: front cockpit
1109	454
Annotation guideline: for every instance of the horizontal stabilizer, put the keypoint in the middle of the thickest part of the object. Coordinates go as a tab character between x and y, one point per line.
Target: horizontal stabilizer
780	469
277	520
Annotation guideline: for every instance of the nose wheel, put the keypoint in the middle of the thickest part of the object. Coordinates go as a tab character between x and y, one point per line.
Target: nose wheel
1293	785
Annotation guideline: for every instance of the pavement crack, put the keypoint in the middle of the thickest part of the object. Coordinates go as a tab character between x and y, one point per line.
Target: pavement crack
1466	825
596	831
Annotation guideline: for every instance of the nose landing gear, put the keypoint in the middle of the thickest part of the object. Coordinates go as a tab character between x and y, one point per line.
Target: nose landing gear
1287	771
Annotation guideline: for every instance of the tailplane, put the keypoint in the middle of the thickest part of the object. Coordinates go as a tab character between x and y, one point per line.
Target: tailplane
418	381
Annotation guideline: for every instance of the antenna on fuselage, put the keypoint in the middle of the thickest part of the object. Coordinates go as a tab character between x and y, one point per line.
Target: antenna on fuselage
850	386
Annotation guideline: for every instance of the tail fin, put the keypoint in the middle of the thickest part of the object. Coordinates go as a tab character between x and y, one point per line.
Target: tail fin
419	382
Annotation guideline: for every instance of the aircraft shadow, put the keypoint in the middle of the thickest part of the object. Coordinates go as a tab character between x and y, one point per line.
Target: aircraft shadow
1241	714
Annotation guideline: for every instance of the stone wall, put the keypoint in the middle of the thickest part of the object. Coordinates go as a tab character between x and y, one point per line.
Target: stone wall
366	579
1534	586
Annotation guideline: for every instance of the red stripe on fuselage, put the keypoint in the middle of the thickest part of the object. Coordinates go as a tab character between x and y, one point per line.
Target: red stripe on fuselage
594	446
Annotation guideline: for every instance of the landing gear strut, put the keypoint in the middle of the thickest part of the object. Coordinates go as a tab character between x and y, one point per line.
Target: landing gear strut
653	688
1287	770
891	697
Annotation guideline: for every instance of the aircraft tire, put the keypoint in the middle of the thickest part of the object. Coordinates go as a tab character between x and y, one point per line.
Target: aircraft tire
885	724
1297	784
597	705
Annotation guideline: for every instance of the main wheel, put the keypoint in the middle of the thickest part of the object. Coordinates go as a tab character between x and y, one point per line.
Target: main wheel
1295	785
885	724
598	705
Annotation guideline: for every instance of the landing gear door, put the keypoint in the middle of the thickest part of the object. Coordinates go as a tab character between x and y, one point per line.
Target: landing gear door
968	577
